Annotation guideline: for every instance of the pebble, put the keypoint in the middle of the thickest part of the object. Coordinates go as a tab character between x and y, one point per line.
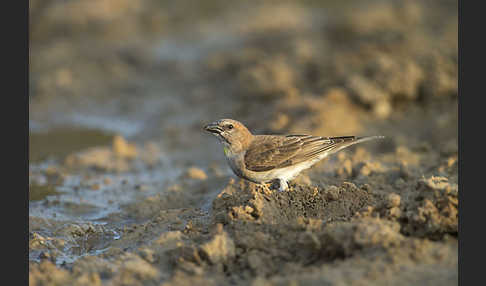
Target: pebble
196	173
332	193
393	200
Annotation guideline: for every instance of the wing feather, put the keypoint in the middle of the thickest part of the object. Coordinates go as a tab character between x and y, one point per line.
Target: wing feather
269	152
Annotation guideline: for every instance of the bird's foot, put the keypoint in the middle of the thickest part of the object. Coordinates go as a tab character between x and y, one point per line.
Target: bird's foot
283	185
278	184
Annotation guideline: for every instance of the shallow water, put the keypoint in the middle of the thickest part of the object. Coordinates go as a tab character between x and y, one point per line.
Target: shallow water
59	142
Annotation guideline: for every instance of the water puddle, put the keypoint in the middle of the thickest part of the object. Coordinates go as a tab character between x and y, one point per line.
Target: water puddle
77	209
59	142
39	192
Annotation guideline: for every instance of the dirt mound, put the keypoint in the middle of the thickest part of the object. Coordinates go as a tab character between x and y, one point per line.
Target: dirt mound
430	209
260	232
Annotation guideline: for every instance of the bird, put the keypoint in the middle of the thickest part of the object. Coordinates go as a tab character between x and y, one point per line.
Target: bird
263	159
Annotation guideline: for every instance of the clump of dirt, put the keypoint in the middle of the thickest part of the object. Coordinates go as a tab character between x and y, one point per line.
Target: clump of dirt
268	78
219	249
252	202
120	157
46	273
196	174
429	210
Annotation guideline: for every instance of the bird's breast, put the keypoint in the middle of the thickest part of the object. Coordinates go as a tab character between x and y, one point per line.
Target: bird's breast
236	163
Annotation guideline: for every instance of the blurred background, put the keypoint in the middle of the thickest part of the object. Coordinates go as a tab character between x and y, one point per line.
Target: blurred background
120	90
146	69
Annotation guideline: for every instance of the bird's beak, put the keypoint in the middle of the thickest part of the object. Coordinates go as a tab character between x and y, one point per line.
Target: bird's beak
213	128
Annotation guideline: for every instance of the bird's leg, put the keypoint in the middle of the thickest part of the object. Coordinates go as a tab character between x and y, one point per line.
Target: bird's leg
283	186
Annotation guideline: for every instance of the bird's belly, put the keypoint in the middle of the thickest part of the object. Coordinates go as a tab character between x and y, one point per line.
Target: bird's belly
288	173
291	172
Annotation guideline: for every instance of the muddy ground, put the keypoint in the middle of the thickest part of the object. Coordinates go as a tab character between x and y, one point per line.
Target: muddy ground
127	189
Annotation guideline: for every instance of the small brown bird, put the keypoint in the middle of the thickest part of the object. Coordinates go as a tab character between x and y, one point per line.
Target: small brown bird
265	158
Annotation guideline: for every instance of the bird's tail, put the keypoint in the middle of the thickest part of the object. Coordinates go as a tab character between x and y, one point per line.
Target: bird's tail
368	138
347	141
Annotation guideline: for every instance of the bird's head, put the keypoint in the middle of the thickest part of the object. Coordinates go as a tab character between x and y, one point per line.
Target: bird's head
233	134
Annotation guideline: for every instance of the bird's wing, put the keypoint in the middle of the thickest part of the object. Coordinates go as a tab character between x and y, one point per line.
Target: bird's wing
269	152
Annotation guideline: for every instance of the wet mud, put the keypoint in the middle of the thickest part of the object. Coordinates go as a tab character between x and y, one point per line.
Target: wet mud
125	188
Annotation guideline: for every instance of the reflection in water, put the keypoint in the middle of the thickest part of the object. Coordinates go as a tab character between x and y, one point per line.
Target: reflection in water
39	192
58	143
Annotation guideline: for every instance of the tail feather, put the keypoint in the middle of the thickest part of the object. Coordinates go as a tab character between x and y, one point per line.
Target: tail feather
351	140
367	138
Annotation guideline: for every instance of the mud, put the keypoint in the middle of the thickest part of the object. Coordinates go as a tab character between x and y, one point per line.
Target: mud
127	189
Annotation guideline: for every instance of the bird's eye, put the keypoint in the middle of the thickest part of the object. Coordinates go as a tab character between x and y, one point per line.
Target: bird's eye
230	126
